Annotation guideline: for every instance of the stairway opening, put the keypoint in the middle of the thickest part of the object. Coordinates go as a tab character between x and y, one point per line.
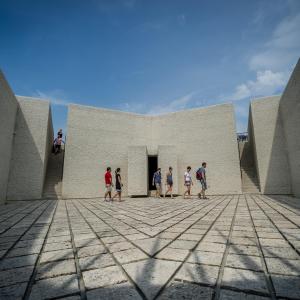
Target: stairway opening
250	183
54	172
152	168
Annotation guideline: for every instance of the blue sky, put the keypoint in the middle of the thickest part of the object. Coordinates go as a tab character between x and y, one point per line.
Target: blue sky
149	57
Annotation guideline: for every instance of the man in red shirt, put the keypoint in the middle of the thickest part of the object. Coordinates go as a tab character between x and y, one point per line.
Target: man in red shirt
108	183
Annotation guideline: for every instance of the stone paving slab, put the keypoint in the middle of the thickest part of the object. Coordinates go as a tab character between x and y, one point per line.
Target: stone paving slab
230	247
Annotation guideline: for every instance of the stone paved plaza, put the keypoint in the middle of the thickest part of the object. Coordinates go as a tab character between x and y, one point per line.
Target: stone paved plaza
227	247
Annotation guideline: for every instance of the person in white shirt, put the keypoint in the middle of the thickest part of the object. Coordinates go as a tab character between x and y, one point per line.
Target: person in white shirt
188	182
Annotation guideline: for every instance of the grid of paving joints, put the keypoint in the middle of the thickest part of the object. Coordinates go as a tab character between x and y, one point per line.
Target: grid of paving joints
227	247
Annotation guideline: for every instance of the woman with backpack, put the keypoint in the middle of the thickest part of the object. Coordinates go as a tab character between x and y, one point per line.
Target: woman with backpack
201	176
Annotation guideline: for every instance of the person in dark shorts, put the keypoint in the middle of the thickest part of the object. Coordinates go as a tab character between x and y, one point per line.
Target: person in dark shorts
169	182
108	183
201	177
118	185
156	181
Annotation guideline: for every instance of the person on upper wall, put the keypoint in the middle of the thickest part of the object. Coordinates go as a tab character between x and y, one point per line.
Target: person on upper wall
60	133
188	182
201	177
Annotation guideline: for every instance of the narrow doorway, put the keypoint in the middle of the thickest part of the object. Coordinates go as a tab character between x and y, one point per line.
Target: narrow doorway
152	168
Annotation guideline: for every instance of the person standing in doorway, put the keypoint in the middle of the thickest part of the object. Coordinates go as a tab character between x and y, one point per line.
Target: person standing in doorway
201	176
169	182
118	185
156	181
108	183
188	182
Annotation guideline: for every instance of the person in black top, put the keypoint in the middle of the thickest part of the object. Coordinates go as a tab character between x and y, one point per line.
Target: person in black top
118	185
60	133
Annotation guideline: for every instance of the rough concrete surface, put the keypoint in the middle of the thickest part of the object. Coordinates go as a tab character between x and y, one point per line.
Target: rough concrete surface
227	247
8	112
98	138
30	149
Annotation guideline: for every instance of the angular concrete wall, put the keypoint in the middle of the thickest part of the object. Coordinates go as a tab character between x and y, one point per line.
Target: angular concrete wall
137	171
204	134
98	138
8	112
30	149
290	115
270	146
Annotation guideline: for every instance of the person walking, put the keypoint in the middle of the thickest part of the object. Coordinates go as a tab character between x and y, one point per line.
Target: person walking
201	176
57	145
156	181
118	185
169	182
188	182
108	184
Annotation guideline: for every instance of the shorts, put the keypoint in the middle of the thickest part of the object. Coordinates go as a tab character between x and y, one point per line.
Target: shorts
157	185
108	188
170	184
118	190
203	184
187	183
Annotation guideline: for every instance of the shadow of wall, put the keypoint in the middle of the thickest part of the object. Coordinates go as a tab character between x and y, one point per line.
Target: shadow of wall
289	109
30	150
8	112
270	146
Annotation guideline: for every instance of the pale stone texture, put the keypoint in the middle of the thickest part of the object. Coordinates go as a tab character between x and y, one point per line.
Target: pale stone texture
88	133
103	277
150	275
8	112
244	280
270	148
198	274
31	147
123	291
137	170
60	286
290	114
183	290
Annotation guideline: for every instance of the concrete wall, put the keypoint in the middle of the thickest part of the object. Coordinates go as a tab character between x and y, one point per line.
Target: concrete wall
98	138
270	146
205	134
8	111
137	171
167	157
30	147
290	114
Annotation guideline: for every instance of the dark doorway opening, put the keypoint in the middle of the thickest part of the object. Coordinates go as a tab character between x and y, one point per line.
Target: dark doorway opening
152	168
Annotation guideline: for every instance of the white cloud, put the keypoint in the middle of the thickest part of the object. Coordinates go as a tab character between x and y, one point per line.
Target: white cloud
282	49
175	105
56	97
266	83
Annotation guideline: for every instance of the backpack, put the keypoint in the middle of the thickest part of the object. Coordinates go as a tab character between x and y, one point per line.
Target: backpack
199	174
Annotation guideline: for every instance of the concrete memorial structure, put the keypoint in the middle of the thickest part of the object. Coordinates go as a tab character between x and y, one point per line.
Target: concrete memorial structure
98	138
26	138
138	144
